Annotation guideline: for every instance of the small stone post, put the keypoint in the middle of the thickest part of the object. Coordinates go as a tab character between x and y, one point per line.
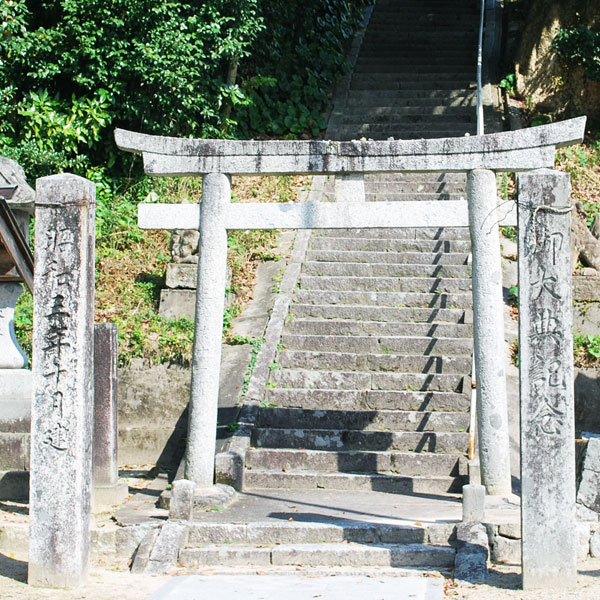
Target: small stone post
206	359
63	400
488	334
549	533
107	490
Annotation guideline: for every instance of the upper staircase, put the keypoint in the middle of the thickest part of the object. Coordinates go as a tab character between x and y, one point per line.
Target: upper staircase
372	383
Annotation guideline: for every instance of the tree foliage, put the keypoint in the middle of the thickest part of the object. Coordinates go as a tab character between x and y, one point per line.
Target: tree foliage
581	46
72	70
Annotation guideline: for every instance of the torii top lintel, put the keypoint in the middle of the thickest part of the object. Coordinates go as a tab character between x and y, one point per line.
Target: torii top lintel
520	150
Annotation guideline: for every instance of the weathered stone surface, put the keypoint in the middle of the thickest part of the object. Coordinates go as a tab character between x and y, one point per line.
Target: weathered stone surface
488	329
583	540
473	503
595	545
312	215
506	550
217	533
589	488
510	530
181	505
62	411
165	551
583	513
514	151
181	275
359	555
107	490
472	553
144	549
225	556
546	371
206	357
586	288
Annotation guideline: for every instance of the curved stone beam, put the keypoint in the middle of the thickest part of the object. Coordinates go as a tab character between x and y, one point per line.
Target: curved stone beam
520	150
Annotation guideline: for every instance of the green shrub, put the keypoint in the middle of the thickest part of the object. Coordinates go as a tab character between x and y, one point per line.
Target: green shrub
580	46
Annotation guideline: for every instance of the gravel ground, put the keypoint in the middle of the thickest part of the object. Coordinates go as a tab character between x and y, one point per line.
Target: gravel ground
504	583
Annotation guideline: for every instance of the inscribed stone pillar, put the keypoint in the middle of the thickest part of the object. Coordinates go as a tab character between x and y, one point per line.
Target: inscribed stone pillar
63	400
549	535
107	490
488	334
206	358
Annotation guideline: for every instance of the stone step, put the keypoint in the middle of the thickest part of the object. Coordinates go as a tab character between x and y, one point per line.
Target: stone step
334	439
350	361
313	380
394	97
415	84
400	100
276	532
385	344
408	233
403	131
395	484
316	555
389	299
364	420
415	178
385	113
400	196
405	50
441	74
397	122
378	328
379	313
422	134
421	37
383	462
388	245
416	187
388	257
399	69
349	399
386	284
407	58
355	269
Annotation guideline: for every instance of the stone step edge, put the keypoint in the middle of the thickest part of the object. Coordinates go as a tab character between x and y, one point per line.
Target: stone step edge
325	554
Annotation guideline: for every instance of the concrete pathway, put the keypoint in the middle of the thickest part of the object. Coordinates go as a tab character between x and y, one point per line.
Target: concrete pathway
299	587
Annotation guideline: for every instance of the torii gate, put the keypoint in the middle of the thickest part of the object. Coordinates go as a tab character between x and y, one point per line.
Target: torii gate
545	325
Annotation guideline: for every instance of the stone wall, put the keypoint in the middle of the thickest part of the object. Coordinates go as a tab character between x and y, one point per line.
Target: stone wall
541	78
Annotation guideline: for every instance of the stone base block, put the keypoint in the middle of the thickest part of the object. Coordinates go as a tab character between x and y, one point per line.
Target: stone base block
216	496
175	304
106	496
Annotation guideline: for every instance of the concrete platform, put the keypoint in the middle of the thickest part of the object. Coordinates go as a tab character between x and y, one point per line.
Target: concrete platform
299	587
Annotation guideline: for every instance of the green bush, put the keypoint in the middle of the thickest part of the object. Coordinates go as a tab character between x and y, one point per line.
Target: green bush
581	46
73	70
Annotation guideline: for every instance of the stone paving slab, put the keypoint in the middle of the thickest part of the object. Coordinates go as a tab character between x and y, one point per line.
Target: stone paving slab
298	587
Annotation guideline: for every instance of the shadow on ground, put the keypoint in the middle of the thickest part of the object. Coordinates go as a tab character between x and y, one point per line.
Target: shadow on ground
13	568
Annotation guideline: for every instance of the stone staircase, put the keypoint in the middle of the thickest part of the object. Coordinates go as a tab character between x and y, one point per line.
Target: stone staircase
371	386
370	389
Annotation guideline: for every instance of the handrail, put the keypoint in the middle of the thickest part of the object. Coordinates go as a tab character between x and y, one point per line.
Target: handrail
480	126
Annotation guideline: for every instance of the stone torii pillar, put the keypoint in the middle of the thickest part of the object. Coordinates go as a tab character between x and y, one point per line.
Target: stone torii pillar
488	334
